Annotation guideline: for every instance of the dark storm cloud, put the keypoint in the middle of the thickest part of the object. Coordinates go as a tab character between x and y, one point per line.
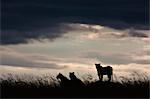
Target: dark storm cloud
27	19
22	36
138	34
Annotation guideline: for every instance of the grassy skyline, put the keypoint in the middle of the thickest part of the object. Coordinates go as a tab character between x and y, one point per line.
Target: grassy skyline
28	86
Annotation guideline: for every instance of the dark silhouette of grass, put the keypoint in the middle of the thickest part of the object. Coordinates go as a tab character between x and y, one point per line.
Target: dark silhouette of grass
15	86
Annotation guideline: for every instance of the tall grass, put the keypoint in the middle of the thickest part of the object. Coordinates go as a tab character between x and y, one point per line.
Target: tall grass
48	86
24	80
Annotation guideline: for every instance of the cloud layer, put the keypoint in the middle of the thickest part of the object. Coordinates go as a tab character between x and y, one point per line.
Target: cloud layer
51	33
10	57
23	20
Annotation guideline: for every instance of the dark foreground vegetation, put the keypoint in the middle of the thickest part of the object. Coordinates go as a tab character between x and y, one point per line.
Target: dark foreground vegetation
14	86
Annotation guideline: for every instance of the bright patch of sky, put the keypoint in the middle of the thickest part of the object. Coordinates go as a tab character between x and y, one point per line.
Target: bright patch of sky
78	50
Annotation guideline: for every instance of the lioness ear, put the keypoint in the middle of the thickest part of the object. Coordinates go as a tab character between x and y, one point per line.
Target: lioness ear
73	72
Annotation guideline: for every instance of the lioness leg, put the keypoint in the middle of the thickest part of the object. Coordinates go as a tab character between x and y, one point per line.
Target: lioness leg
101	77
109	77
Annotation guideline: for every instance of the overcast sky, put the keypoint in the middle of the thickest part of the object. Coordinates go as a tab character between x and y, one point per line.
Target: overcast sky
73	35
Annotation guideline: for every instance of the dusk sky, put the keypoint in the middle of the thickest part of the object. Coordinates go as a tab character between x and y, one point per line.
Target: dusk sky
52	36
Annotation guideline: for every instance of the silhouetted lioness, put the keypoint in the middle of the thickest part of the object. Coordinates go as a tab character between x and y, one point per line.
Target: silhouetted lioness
104	71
